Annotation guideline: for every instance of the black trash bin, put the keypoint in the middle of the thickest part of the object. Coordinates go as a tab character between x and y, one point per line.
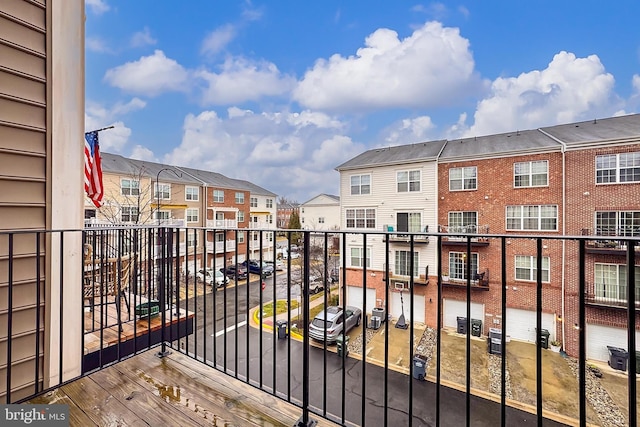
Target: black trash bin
618	358
419	367
637	362
281	325
462	325
544	338
476	327
342	344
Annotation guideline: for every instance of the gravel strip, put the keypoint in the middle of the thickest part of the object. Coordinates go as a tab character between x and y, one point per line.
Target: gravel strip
608	412
495	374
355	344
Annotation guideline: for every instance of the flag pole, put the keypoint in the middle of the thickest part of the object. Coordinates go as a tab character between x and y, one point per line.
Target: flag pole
101	129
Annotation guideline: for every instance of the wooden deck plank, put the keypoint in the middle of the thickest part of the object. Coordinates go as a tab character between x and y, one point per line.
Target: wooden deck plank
77	416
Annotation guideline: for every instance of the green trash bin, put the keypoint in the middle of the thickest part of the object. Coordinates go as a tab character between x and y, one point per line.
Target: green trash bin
544	338
476	327
342	345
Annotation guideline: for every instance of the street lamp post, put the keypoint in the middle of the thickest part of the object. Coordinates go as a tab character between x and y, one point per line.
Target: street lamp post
163	303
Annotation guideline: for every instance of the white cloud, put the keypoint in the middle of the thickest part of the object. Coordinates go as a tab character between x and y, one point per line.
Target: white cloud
569	89
288	153
142	38
96	44
408	131
150	75
432	67
97	116
218	39
98	7
142	153
635	82
241	80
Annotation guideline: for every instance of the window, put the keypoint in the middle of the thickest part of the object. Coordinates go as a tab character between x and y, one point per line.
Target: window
526	268
360	184
192	238
611	281
130	187
409	222
218	196
240	236
357	257
239	198
536	217
625	223
408	181
253	202
463	178
269	203
129	214
458	265
270	219
89	213
161	215
321	220
162	191
403	263
220	237
623	167
463	222
240	216
361	218
531	174
192	194
192	215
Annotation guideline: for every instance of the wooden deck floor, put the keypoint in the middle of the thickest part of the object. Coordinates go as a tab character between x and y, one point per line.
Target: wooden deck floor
145	390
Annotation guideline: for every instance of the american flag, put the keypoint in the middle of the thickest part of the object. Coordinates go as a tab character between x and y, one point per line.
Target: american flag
92	168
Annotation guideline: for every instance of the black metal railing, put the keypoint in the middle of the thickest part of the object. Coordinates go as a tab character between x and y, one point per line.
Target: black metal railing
140	293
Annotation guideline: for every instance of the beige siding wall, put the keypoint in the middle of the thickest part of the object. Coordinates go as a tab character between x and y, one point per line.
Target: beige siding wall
41	123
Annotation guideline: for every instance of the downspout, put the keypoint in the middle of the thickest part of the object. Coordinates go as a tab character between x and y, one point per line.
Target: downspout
563	150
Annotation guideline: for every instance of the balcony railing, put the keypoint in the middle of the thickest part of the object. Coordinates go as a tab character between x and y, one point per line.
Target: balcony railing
478	281
222	223
459	234
221	247
610	241
405	237
609	295
133	302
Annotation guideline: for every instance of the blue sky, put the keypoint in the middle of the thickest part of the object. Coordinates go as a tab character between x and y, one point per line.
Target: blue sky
281	92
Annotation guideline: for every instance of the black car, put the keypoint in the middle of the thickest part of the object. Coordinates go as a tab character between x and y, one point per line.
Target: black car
254	268
230	271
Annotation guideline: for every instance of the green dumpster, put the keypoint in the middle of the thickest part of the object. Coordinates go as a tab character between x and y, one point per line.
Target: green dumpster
544	338
342	344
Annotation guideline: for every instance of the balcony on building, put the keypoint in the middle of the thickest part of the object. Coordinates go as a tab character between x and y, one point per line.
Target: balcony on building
608	241
479	281
609	295
404	236
405	280
458	235
222	223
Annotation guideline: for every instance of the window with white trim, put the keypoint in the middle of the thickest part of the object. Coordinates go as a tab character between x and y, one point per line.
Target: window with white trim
360	184
240	216
403	263
192	194
623	223
610	282
129	213
463	178
409	222
358	257
531	174
408	181
192	238
618	168
361	218
239	198
253	202
463	222
192	215
218	196
321	220
162	191
269	203
526	268
458	265
533	217
129	187
240	236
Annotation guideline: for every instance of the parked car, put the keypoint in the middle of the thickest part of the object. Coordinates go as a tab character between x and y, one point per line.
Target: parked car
254	267
316	284
230	271
334	320
209	276
293	255
278	265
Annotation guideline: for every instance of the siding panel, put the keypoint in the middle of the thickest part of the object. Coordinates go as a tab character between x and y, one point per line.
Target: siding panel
21	113
21	35
20	87
16	139
23	62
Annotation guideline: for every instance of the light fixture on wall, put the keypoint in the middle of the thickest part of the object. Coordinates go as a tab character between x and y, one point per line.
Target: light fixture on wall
576	327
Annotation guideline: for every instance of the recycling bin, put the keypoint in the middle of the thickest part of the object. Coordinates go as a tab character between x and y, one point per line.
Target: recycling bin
342	344
618	358
476	327
419	367
281	326
544	338
462	325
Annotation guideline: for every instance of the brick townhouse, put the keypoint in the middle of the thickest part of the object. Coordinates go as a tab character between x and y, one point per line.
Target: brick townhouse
574	179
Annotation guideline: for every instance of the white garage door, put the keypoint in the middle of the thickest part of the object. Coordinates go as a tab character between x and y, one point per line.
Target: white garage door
521	324
454	309
418	306
599	337
354	297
